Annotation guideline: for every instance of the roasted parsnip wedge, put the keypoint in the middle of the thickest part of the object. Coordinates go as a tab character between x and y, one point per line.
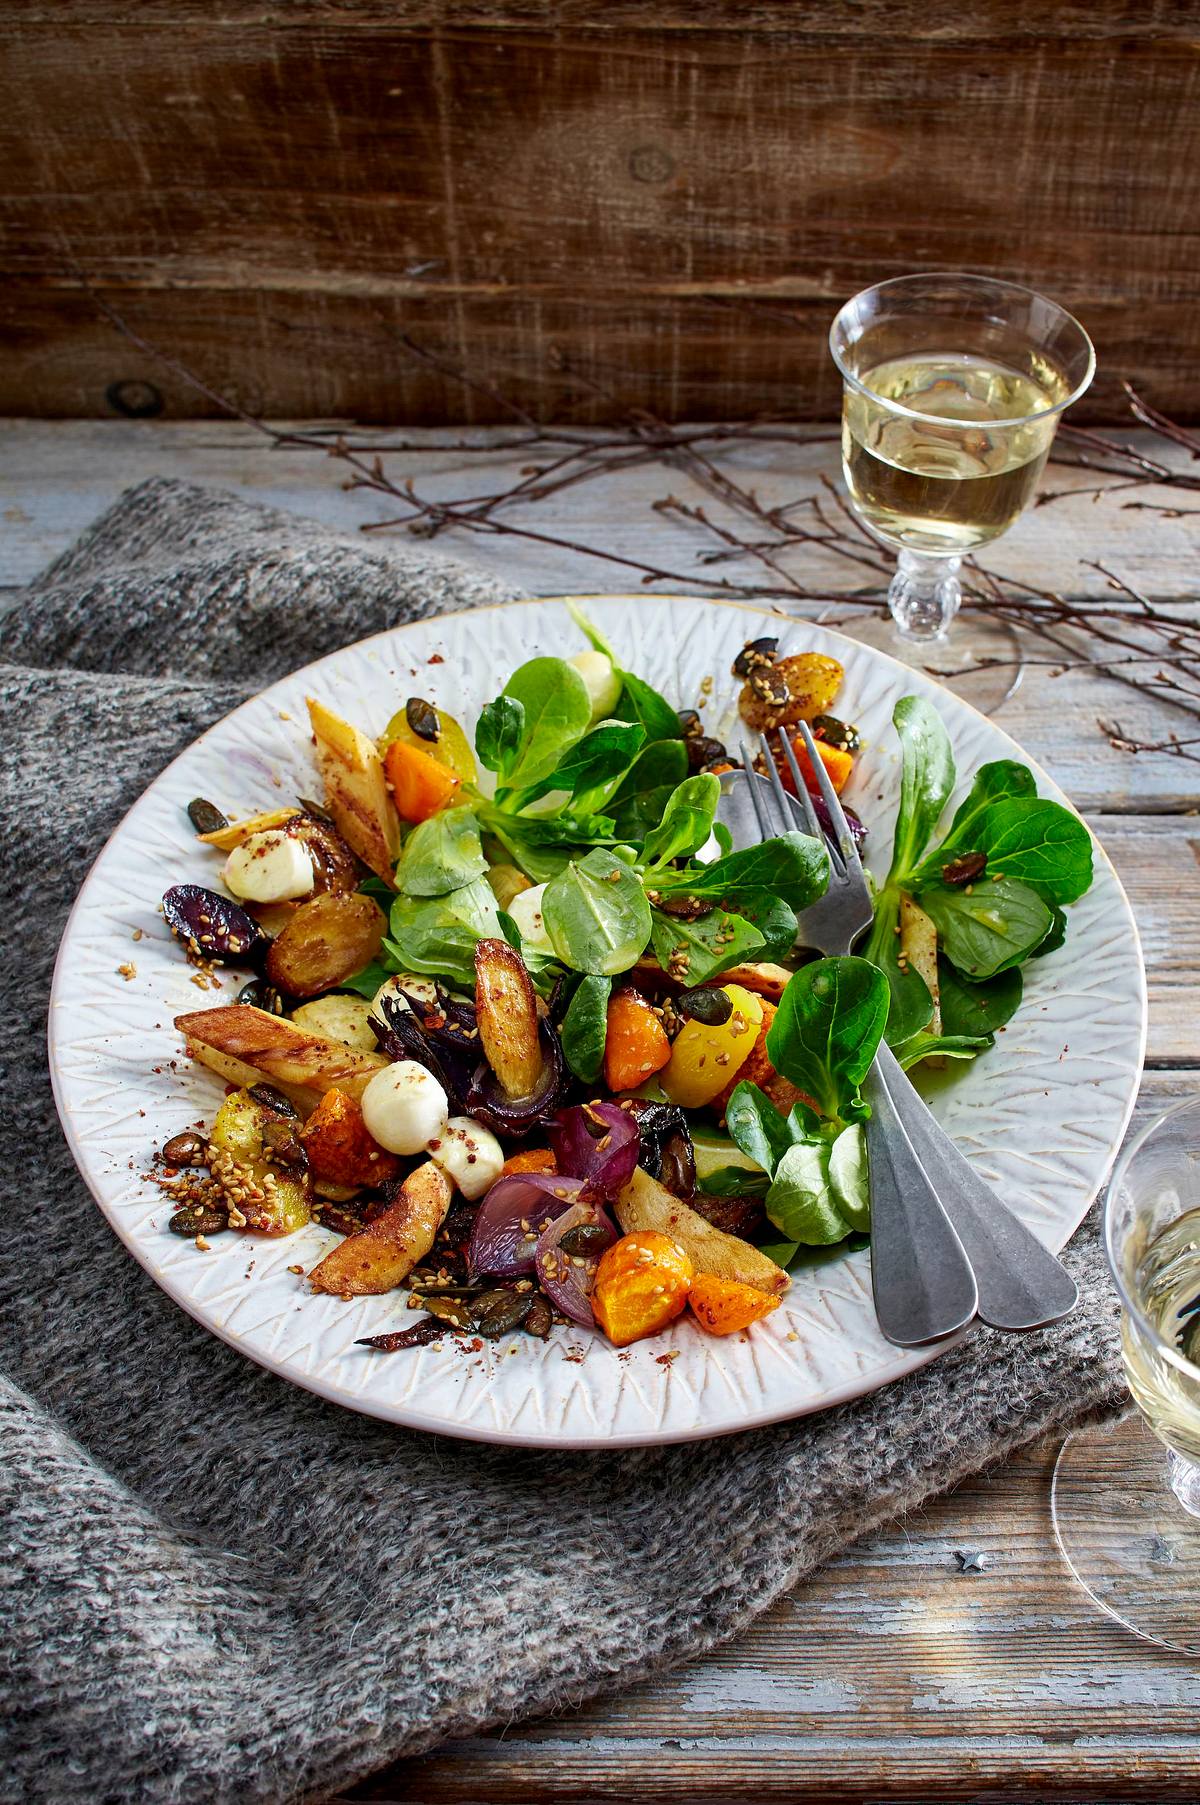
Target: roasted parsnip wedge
356	791
276	1049
506	1013
919	949
384	1254
644	1204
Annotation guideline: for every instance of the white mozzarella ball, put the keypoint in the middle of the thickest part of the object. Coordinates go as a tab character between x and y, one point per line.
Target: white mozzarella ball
269	867
424	989
469	1154
603	683
404	1107
526	911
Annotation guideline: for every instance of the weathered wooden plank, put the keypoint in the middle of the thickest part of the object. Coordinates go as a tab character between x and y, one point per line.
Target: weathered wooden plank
888	1674
672	213
876	20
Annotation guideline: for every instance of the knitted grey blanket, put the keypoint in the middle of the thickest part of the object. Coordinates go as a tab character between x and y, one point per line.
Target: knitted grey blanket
216	1587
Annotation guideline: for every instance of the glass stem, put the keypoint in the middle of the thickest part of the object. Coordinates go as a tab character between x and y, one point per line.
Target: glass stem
1185	1481
925	595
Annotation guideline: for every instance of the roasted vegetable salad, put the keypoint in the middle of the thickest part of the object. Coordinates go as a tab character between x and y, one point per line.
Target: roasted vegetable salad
538	1043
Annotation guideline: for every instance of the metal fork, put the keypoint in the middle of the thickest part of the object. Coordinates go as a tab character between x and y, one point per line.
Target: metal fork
940	1236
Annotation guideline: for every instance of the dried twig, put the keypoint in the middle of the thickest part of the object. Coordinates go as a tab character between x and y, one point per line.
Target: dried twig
1142	644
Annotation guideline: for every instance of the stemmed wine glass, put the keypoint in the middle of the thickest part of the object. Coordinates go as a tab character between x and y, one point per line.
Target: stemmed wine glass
953	386
1126	1496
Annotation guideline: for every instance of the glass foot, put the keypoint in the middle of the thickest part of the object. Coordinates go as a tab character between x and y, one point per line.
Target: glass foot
1126	1536
924	595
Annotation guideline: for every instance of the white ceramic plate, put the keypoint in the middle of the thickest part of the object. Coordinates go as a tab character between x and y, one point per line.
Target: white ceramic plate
1042	1114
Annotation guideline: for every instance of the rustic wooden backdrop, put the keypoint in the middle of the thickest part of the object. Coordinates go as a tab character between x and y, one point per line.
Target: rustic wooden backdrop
632	202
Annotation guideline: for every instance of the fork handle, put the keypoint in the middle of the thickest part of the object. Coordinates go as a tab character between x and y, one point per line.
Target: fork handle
921	1278
1021	1284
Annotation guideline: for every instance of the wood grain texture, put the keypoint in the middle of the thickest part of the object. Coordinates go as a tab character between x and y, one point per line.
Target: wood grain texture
888	1675
644	211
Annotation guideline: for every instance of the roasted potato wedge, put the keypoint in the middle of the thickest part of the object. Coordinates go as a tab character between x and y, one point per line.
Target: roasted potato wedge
271	1194
644	1204
343	1018
239	1038
506	1012
326	941
340	1150
356	791
384	1254
812	679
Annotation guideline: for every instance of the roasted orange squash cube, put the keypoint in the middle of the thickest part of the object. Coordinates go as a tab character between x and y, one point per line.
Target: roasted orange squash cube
723	1306
338	1146
642	1284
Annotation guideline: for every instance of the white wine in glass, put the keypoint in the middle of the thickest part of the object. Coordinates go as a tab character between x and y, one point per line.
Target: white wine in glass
953	387
1127	1495
960	469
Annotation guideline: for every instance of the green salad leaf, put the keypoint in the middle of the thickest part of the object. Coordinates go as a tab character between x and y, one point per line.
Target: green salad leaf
977	1009
792	866
441	854
437	935
695	951
827	1027
1037	857
686	821
556	713
596	914
585	1026
593	767
926	780
498	735
998	924
638	801
830	1021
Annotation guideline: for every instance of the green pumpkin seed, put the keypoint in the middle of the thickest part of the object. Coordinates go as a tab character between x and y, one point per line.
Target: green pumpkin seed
195	1220
540	1319
205	817
499	1312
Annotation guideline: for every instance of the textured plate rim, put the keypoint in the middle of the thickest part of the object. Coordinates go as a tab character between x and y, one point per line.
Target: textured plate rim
403	1415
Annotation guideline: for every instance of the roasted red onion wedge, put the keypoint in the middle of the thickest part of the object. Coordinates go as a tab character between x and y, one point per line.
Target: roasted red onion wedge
490	1104
510	1219
599	1142
568	1253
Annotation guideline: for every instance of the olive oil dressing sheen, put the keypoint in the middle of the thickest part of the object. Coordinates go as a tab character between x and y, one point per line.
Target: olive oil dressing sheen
939	488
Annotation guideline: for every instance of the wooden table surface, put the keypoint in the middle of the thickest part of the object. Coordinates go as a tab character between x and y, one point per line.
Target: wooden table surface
890	1674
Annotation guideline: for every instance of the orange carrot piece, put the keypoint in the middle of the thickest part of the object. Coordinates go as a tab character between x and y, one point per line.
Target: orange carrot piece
420	784
837	761
534	1159
635	1042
